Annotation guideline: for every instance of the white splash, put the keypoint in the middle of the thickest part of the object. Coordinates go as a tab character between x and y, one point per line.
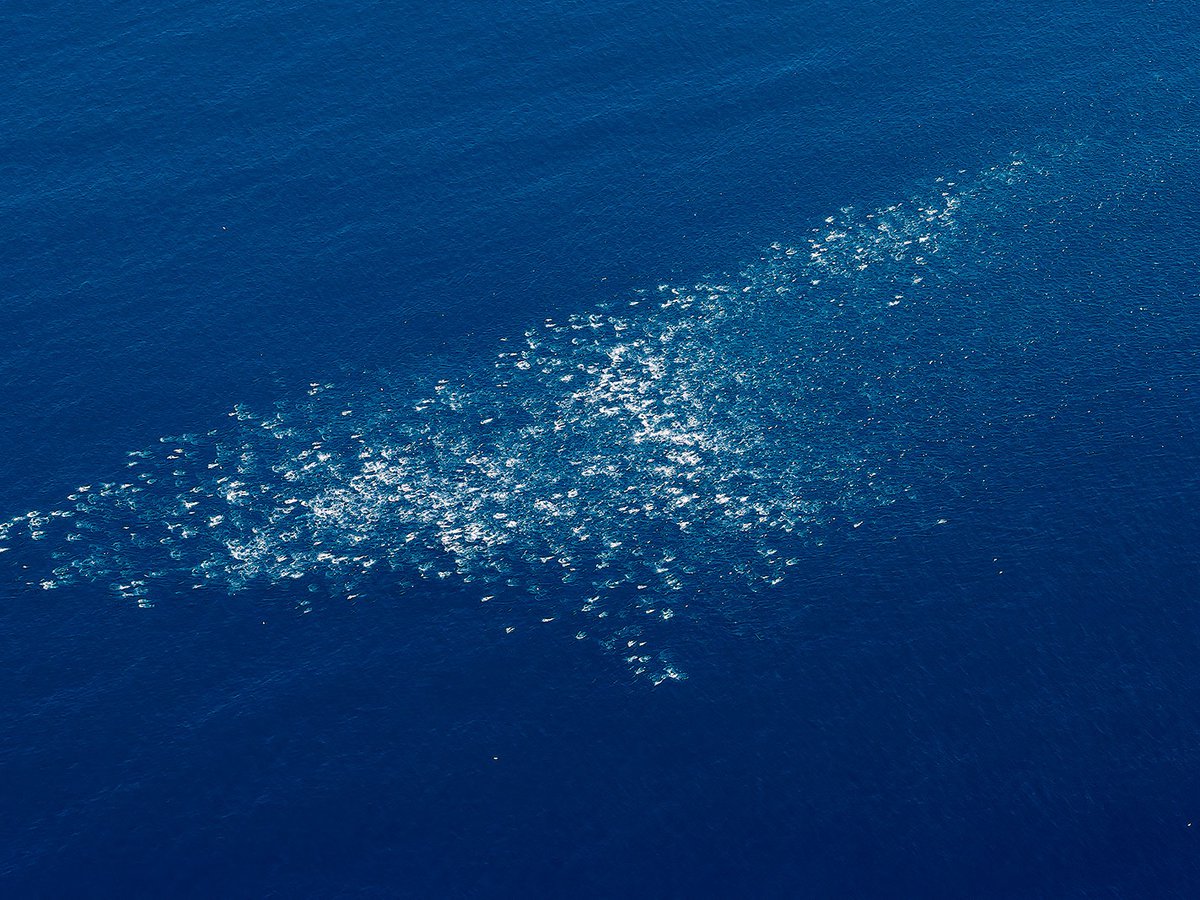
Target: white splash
605	468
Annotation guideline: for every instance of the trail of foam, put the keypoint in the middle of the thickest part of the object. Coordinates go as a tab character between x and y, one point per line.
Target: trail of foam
606	466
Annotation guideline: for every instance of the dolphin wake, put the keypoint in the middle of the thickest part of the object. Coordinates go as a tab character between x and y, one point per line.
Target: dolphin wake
605	466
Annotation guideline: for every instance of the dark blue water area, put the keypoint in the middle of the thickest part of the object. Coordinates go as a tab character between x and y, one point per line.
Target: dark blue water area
857	559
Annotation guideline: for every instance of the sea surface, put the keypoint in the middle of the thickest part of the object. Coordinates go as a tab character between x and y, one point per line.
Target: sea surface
710	449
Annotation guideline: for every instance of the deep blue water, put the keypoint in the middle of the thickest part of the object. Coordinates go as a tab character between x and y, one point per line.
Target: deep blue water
593	450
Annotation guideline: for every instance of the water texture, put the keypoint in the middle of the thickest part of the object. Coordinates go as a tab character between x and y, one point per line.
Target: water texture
589	449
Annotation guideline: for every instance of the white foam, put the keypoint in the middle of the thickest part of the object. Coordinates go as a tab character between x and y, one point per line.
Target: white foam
622	457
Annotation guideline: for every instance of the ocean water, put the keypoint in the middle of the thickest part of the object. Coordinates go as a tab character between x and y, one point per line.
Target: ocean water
596	449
